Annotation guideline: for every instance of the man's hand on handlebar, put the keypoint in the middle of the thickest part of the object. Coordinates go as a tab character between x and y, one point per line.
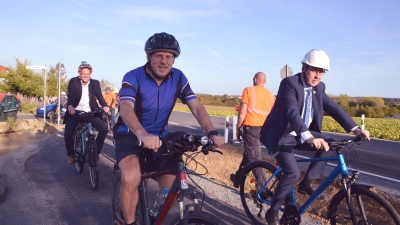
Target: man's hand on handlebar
71	110
318	143
106	109
217	140
149	141
364	133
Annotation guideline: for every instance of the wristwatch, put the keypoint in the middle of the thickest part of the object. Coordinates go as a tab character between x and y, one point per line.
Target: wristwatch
213	132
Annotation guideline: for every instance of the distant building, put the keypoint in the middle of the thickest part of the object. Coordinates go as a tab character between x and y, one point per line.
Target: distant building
3	68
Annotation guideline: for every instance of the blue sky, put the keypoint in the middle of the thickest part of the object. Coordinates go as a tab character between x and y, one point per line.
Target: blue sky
223	43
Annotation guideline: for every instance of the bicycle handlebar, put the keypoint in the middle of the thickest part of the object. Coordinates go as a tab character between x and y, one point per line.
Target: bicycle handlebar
180	142
340	144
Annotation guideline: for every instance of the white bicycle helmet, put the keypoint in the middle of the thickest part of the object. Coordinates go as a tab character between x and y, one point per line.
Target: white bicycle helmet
317	58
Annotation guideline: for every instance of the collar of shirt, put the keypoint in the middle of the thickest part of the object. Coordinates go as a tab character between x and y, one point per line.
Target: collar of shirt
86	84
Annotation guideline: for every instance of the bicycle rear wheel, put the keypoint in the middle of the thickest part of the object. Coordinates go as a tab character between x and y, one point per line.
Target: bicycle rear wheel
369	208
200	217
253	206
93	160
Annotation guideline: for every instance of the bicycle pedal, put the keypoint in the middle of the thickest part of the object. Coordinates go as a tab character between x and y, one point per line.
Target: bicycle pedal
291	215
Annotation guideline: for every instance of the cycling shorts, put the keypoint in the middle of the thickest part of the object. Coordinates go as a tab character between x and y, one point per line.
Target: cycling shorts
126	144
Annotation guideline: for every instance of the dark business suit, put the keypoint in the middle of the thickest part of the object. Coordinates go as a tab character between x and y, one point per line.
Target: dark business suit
72	121
285	117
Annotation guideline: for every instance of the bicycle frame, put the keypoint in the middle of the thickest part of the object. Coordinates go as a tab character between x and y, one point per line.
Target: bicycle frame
177	190
86	127
340	168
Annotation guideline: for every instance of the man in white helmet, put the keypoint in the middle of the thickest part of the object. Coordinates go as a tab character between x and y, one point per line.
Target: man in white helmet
295	123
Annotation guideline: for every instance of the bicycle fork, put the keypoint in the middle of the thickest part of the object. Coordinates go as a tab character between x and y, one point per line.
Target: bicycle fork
184	209
347	186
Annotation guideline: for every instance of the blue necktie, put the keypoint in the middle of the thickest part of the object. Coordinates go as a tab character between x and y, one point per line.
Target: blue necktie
307	110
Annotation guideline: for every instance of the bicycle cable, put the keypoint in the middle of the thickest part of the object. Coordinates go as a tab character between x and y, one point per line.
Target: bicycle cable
191	157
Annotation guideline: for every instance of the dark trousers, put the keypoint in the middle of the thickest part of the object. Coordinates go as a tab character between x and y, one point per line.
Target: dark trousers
72	123
291	170
112	110
252	151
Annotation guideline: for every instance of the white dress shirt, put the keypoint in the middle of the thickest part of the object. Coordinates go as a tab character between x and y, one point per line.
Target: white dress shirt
84	102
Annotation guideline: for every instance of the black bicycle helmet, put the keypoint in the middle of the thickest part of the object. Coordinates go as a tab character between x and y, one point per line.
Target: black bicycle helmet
162	42
83	65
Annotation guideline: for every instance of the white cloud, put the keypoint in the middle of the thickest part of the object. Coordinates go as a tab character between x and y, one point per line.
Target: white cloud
212	52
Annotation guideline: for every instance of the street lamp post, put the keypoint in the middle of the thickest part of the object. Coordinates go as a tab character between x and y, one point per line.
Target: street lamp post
60	73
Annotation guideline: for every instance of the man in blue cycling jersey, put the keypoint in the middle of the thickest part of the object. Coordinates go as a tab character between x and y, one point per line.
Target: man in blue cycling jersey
147	97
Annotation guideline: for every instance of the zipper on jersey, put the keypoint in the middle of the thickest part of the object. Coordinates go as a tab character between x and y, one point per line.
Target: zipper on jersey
158	102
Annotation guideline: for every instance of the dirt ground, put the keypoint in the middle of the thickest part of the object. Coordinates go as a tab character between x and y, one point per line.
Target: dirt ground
219	167
11	141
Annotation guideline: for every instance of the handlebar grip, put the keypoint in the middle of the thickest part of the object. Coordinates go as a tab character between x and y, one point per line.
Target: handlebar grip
140	143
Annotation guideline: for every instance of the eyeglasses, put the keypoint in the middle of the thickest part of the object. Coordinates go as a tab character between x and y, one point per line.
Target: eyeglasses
168	58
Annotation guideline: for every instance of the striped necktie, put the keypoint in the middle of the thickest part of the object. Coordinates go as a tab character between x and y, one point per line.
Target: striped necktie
307	110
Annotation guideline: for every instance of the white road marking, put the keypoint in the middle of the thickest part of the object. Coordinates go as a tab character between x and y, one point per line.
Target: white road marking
194	128
361	171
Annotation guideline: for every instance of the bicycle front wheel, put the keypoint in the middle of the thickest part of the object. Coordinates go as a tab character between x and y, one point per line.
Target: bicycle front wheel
199	217
52	117
79	162
117	214
93	160
369	208
253	206
115	201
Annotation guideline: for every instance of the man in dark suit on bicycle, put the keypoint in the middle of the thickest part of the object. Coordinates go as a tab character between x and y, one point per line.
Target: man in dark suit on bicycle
295	122
82	94
147	97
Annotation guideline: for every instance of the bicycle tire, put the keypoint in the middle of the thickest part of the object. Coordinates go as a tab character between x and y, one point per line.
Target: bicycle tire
199	217
93	161
51	116
107	122
377	209
115	201
254	208
117	215
79	163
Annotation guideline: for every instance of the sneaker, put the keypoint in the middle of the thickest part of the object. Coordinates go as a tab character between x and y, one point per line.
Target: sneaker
235	181
309	190
272	217
71	159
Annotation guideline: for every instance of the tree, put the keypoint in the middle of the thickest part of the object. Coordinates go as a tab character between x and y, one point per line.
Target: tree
106	83
22	80
52	83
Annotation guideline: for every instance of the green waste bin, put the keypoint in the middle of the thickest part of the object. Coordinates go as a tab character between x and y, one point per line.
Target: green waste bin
9	106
